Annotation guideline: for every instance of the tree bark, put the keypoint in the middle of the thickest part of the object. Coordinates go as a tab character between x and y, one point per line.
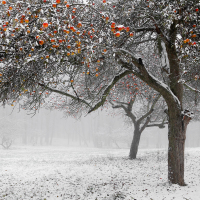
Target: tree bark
176	135
135	143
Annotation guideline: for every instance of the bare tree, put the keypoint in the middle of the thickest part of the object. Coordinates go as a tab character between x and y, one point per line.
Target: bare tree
141	120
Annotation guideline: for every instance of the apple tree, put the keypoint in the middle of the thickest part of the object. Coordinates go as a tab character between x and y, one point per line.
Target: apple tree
82	50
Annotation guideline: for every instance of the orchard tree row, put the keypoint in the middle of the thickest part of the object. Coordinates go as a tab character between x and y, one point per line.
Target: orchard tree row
86	51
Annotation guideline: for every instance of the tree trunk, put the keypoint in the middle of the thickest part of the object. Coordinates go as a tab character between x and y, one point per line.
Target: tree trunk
135	143
176	135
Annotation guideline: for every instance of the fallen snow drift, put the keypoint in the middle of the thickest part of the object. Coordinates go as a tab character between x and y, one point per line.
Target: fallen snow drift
70	173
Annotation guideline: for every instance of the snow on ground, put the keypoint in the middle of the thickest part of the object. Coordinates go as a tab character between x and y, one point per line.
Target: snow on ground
92	174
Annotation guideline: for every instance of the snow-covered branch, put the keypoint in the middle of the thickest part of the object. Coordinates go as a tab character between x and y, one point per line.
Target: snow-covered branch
191	88
109	87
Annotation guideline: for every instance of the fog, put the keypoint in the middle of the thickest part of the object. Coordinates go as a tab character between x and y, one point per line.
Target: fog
101	129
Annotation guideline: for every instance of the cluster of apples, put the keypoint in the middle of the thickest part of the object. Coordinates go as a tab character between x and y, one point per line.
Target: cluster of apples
25	18
193	35
118	29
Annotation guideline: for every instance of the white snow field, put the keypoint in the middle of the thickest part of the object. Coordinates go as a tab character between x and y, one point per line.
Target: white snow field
93	174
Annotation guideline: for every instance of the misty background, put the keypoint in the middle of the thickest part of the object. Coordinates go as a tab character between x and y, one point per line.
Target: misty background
101	129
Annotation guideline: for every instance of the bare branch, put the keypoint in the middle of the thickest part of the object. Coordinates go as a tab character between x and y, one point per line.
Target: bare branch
107	91
132	101
144	41
142	29
151	80
191	88
160	32
145	124
161	125
151	109
119	102
65	94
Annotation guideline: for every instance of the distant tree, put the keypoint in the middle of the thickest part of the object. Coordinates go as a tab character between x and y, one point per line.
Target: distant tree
10	130
143	119
6	142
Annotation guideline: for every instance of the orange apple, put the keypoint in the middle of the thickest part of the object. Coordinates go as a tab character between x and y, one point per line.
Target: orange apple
41	42
79	25
117	34
113	25
45	24
120	28
127	29
187	40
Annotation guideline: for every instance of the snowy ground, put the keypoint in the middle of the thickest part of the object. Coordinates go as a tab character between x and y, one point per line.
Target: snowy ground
69	173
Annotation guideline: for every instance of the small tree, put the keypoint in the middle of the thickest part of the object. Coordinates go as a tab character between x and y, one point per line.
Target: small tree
140	121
